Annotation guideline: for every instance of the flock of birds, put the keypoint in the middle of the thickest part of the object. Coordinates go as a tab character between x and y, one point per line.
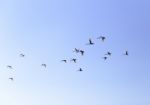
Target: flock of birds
102	38
90	42
22	55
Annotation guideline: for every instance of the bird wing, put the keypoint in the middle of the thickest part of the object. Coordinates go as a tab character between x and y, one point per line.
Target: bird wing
90	40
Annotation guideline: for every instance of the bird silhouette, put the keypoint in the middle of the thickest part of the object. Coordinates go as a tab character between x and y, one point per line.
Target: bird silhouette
44	65
76	50
74	60
12	79
22	55
10	67
105	58
126	53
90	42
80	69
102	38
82	52
65	61
108	53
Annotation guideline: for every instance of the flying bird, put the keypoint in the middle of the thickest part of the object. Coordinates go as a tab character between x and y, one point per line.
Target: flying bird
90	42
126	53
80	70
64	61
74	60
108	53
76	50
22	55
12	79
105	58
44	65
10	67
102	38
82	52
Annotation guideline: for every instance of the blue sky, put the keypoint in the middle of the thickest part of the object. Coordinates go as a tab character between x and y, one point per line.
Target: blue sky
47	31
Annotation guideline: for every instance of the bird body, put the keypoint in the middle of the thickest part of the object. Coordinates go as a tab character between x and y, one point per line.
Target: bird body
105	58
22	55
10	67
64	61
126	53
108	53
11	79
82	52
80	69
76	50
74	60
102	38
44	65
90	42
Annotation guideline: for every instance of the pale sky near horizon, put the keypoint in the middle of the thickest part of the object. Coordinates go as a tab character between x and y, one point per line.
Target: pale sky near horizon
47	31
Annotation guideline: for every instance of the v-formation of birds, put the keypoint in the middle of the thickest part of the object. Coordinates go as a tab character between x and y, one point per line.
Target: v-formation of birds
74	60
90	42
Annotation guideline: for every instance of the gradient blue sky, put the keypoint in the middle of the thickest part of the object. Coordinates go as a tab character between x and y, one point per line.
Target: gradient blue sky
48	30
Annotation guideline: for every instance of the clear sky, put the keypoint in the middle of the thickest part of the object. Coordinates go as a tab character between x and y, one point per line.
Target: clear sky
47	31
